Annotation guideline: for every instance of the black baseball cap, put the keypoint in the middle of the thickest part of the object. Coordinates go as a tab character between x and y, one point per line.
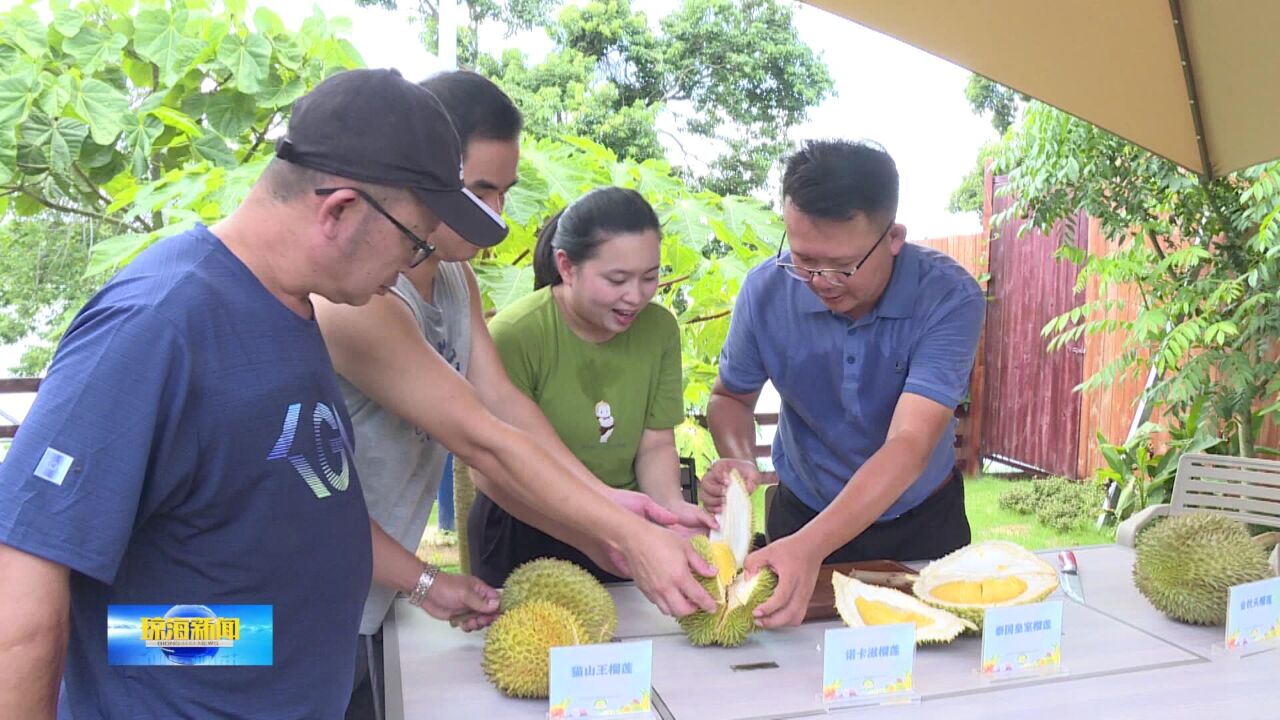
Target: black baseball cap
376	127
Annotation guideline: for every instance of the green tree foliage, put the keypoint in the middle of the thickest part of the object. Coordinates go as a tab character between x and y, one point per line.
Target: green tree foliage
968	196
42	263
698	284
1204	255
734	73
127	123
1001	105
987	96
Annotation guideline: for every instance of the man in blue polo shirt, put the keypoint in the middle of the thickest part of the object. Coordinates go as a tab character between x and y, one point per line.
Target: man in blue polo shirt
869	341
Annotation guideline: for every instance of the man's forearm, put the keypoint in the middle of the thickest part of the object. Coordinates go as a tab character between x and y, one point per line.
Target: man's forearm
520	475
733	427
394	565
35	605
515	408
872	489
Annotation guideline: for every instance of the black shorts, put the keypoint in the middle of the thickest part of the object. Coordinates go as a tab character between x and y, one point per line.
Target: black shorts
928	531
499	542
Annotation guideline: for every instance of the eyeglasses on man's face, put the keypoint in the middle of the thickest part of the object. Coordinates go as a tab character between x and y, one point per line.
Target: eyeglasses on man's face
421	248
831	275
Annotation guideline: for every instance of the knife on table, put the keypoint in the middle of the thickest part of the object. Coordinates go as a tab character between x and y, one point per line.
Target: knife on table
1070	575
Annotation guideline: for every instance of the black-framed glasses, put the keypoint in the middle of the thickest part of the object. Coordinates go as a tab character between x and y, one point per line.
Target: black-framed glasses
831	275
421	248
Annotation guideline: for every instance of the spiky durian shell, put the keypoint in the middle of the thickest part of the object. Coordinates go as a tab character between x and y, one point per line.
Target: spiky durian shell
517	647
1186	564
568	585
732	621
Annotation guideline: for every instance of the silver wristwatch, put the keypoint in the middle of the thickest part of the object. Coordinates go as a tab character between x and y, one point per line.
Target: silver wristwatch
425	581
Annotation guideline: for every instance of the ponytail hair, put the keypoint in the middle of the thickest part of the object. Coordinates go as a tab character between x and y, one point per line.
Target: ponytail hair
581	228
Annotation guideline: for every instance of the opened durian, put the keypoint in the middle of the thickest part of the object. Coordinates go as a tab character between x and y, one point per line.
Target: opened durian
568	585
517	647
736	594
860	604
1186	565
990	574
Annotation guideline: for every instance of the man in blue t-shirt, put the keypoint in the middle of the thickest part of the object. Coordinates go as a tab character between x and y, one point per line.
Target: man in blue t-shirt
869	342
190	446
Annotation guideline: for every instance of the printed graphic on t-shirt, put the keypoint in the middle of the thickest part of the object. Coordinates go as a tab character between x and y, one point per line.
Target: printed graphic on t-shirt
54	465
604	416
330	443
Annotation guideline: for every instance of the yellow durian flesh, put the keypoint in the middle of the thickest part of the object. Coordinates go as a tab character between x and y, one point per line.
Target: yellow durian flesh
875	612
985	575
974	592
726	566
861	605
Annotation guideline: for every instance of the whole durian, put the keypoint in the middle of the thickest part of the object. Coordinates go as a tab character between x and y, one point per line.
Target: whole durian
517	647
1186	564
568	585
736	594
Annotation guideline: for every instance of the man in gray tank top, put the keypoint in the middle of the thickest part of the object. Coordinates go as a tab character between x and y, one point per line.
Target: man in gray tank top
420	374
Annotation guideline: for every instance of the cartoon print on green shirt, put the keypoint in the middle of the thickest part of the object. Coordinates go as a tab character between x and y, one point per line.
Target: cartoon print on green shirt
604	416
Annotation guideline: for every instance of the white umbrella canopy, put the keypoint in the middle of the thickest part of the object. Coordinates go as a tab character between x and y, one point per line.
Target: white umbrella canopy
1193	81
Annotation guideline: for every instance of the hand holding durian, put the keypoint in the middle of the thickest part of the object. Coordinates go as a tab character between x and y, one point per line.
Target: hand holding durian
736	592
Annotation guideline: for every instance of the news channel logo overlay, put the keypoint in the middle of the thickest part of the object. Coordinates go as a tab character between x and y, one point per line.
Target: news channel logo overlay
177	635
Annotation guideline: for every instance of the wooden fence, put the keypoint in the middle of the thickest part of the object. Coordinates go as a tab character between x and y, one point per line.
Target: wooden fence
1108	410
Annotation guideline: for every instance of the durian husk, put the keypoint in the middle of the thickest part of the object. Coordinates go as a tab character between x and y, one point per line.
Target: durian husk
977	577
517	647
736	600
568	585
863	605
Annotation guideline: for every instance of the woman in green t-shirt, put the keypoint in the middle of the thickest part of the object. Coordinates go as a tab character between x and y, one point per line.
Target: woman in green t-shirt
601	361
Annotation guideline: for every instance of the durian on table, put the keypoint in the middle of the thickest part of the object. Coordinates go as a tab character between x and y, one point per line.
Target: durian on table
996	573
1186	565
736	594
862	605
569	585
546	603
517	646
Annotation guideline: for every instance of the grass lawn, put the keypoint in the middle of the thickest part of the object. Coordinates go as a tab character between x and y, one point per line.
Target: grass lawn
988	520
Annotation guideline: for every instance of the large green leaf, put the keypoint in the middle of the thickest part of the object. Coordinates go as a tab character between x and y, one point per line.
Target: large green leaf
91	49
215	150
105	108
56	94
276	93
177	120
141	137
160	38
267	22
741	213
504	284
230	113
116	251
22	27
247	58
688	217
8	154
68	22
564	176
52	142
15	98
